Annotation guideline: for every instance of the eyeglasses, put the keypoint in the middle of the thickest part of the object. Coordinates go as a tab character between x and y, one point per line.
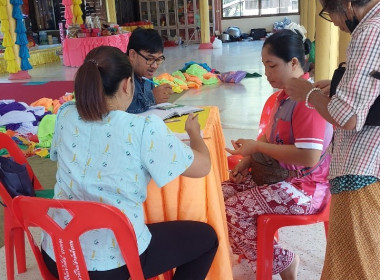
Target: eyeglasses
151	60
325	15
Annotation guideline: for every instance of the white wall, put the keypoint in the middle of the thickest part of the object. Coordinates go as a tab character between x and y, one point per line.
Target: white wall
247	24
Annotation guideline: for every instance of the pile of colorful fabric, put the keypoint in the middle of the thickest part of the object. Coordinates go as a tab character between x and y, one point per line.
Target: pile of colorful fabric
31	126
194	75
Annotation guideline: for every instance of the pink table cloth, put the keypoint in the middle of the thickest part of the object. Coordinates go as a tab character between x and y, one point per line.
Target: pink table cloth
76	49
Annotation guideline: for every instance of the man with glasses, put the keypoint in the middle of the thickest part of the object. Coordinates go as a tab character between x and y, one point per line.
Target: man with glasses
145	51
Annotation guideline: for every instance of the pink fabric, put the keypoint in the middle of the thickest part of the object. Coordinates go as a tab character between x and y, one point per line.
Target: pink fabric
76	49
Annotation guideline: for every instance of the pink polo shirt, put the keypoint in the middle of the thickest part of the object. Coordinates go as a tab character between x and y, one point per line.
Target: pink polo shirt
293	123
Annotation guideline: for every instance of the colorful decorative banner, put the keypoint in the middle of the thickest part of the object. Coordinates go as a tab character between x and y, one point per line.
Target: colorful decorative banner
68	13
78	12
21	39
9	56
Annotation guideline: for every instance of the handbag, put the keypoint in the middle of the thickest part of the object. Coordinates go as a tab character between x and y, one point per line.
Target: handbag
15	178
373	117
267	170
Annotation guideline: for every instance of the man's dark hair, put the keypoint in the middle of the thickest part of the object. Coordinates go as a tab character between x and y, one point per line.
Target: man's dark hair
148	40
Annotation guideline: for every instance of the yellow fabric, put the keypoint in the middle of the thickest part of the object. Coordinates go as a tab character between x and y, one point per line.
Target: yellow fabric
198	199
353	247
37	57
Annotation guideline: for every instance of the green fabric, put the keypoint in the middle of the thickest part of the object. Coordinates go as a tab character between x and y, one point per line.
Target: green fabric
3	129
46	131
199	71
312	53
253	75
47	193
210	81
179	75
350	183
196	70
3	152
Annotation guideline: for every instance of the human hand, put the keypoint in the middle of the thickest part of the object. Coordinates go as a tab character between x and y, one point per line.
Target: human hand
243	147
324	85
297	88
162	93
240	171
192	125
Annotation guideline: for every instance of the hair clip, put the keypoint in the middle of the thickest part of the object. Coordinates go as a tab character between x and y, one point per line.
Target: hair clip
93	61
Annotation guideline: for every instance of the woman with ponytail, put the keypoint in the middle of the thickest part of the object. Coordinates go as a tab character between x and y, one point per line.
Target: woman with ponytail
107	155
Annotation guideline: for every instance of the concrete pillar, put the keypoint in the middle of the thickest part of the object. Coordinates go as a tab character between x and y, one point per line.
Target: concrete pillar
205	25
311	16
111	11
326	48
304	13
344	39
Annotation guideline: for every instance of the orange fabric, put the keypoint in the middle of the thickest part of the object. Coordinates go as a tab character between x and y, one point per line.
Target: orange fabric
198	199
193	85
165	76
45	102
191	78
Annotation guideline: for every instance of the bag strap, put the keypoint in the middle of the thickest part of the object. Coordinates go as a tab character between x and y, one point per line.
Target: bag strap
308	170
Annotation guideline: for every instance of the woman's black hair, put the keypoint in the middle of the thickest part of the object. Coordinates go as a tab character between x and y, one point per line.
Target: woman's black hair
145	39
287	44
97	78
334	6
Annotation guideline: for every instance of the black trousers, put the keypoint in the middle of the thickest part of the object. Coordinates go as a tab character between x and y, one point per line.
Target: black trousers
188	246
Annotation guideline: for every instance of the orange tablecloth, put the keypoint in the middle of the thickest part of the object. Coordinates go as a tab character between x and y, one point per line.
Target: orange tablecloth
76	49
198	199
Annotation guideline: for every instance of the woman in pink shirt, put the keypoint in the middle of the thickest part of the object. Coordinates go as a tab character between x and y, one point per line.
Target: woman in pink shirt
297	137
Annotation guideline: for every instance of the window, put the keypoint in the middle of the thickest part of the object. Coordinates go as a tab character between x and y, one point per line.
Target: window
248	8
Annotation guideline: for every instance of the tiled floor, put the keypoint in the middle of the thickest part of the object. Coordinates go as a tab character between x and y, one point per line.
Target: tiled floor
240	107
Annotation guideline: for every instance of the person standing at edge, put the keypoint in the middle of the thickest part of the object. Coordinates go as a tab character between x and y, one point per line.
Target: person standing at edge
145	52
353	247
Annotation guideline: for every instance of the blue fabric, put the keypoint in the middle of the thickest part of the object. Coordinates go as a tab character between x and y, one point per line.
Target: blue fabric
20	27
16	2
21	39
16	12
188	64
350	183
25	65
143	96
24	52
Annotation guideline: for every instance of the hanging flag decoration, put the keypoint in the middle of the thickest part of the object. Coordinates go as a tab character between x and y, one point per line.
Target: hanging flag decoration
8	43
68	13
78	12
21	38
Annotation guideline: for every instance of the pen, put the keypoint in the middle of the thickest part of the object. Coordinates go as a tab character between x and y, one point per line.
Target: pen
170	121
151	81
196	115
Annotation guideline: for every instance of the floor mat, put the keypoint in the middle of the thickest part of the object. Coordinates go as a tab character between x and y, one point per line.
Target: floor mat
32	91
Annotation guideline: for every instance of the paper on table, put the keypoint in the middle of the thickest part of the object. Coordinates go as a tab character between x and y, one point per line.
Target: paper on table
169	110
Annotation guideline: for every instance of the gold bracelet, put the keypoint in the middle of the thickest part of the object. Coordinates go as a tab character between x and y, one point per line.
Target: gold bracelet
308	96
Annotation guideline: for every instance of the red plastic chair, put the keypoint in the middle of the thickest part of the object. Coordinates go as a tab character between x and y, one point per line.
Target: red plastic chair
13	232
32	212
267	227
